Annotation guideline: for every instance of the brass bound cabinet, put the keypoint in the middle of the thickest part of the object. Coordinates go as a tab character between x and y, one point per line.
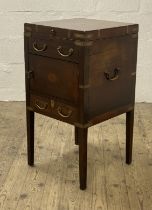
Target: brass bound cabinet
82	72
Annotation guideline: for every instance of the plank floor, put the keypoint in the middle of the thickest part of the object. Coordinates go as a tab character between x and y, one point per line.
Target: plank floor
53	184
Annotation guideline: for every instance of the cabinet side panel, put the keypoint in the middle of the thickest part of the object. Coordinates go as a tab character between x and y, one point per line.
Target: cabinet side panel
112	74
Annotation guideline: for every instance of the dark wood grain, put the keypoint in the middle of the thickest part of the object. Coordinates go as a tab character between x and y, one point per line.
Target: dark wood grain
49	107
82	24
82	72
54	77
82	133
50	49
129	135
30	136
80	29
116	53
76	134
26	57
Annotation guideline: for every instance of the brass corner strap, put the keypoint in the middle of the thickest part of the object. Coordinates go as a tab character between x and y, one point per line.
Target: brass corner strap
132	29
84	86
27	34
133	74
29	108
134	36
83	36
27	31
83	43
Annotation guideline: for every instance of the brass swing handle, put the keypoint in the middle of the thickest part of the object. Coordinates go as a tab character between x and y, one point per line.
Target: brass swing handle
70	51
59	110
41	107
35	47
114	76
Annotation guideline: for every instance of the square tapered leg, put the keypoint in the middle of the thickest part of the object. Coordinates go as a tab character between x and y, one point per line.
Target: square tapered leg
82	133
30	136
129	135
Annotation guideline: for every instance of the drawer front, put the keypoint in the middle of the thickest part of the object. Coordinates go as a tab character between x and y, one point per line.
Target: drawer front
60	49
53	77
112	75
54	108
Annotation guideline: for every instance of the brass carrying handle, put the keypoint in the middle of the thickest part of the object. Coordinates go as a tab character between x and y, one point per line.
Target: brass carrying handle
70	51
59	110
41	107
115	75
37	49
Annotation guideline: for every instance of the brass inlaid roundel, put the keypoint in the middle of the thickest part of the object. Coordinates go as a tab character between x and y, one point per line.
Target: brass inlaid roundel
52	77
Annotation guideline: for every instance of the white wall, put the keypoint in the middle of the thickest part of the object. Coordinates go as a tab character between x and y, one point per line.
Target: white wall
14	13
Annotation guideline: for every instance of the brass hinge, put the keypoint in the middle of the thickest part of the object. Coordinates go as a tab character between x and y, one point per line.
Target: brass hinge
29	74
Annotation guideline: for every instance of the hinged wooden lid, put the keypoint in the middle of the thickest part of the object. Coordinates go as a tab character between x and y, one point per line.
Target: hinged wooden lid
80	29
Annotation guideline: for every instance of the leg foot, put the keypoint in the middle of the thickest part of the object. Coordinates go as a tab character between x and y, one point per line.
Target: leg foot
83	157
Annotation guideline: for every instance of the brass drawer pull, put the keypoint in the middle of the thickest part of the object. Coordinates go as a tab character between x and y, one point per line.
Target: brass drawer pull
37	49
41	107
114	76
65	55
59	110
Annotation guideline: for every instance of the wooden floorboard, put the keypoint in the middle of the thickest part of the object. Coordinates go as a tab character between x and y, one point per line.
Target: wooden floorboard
53	183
